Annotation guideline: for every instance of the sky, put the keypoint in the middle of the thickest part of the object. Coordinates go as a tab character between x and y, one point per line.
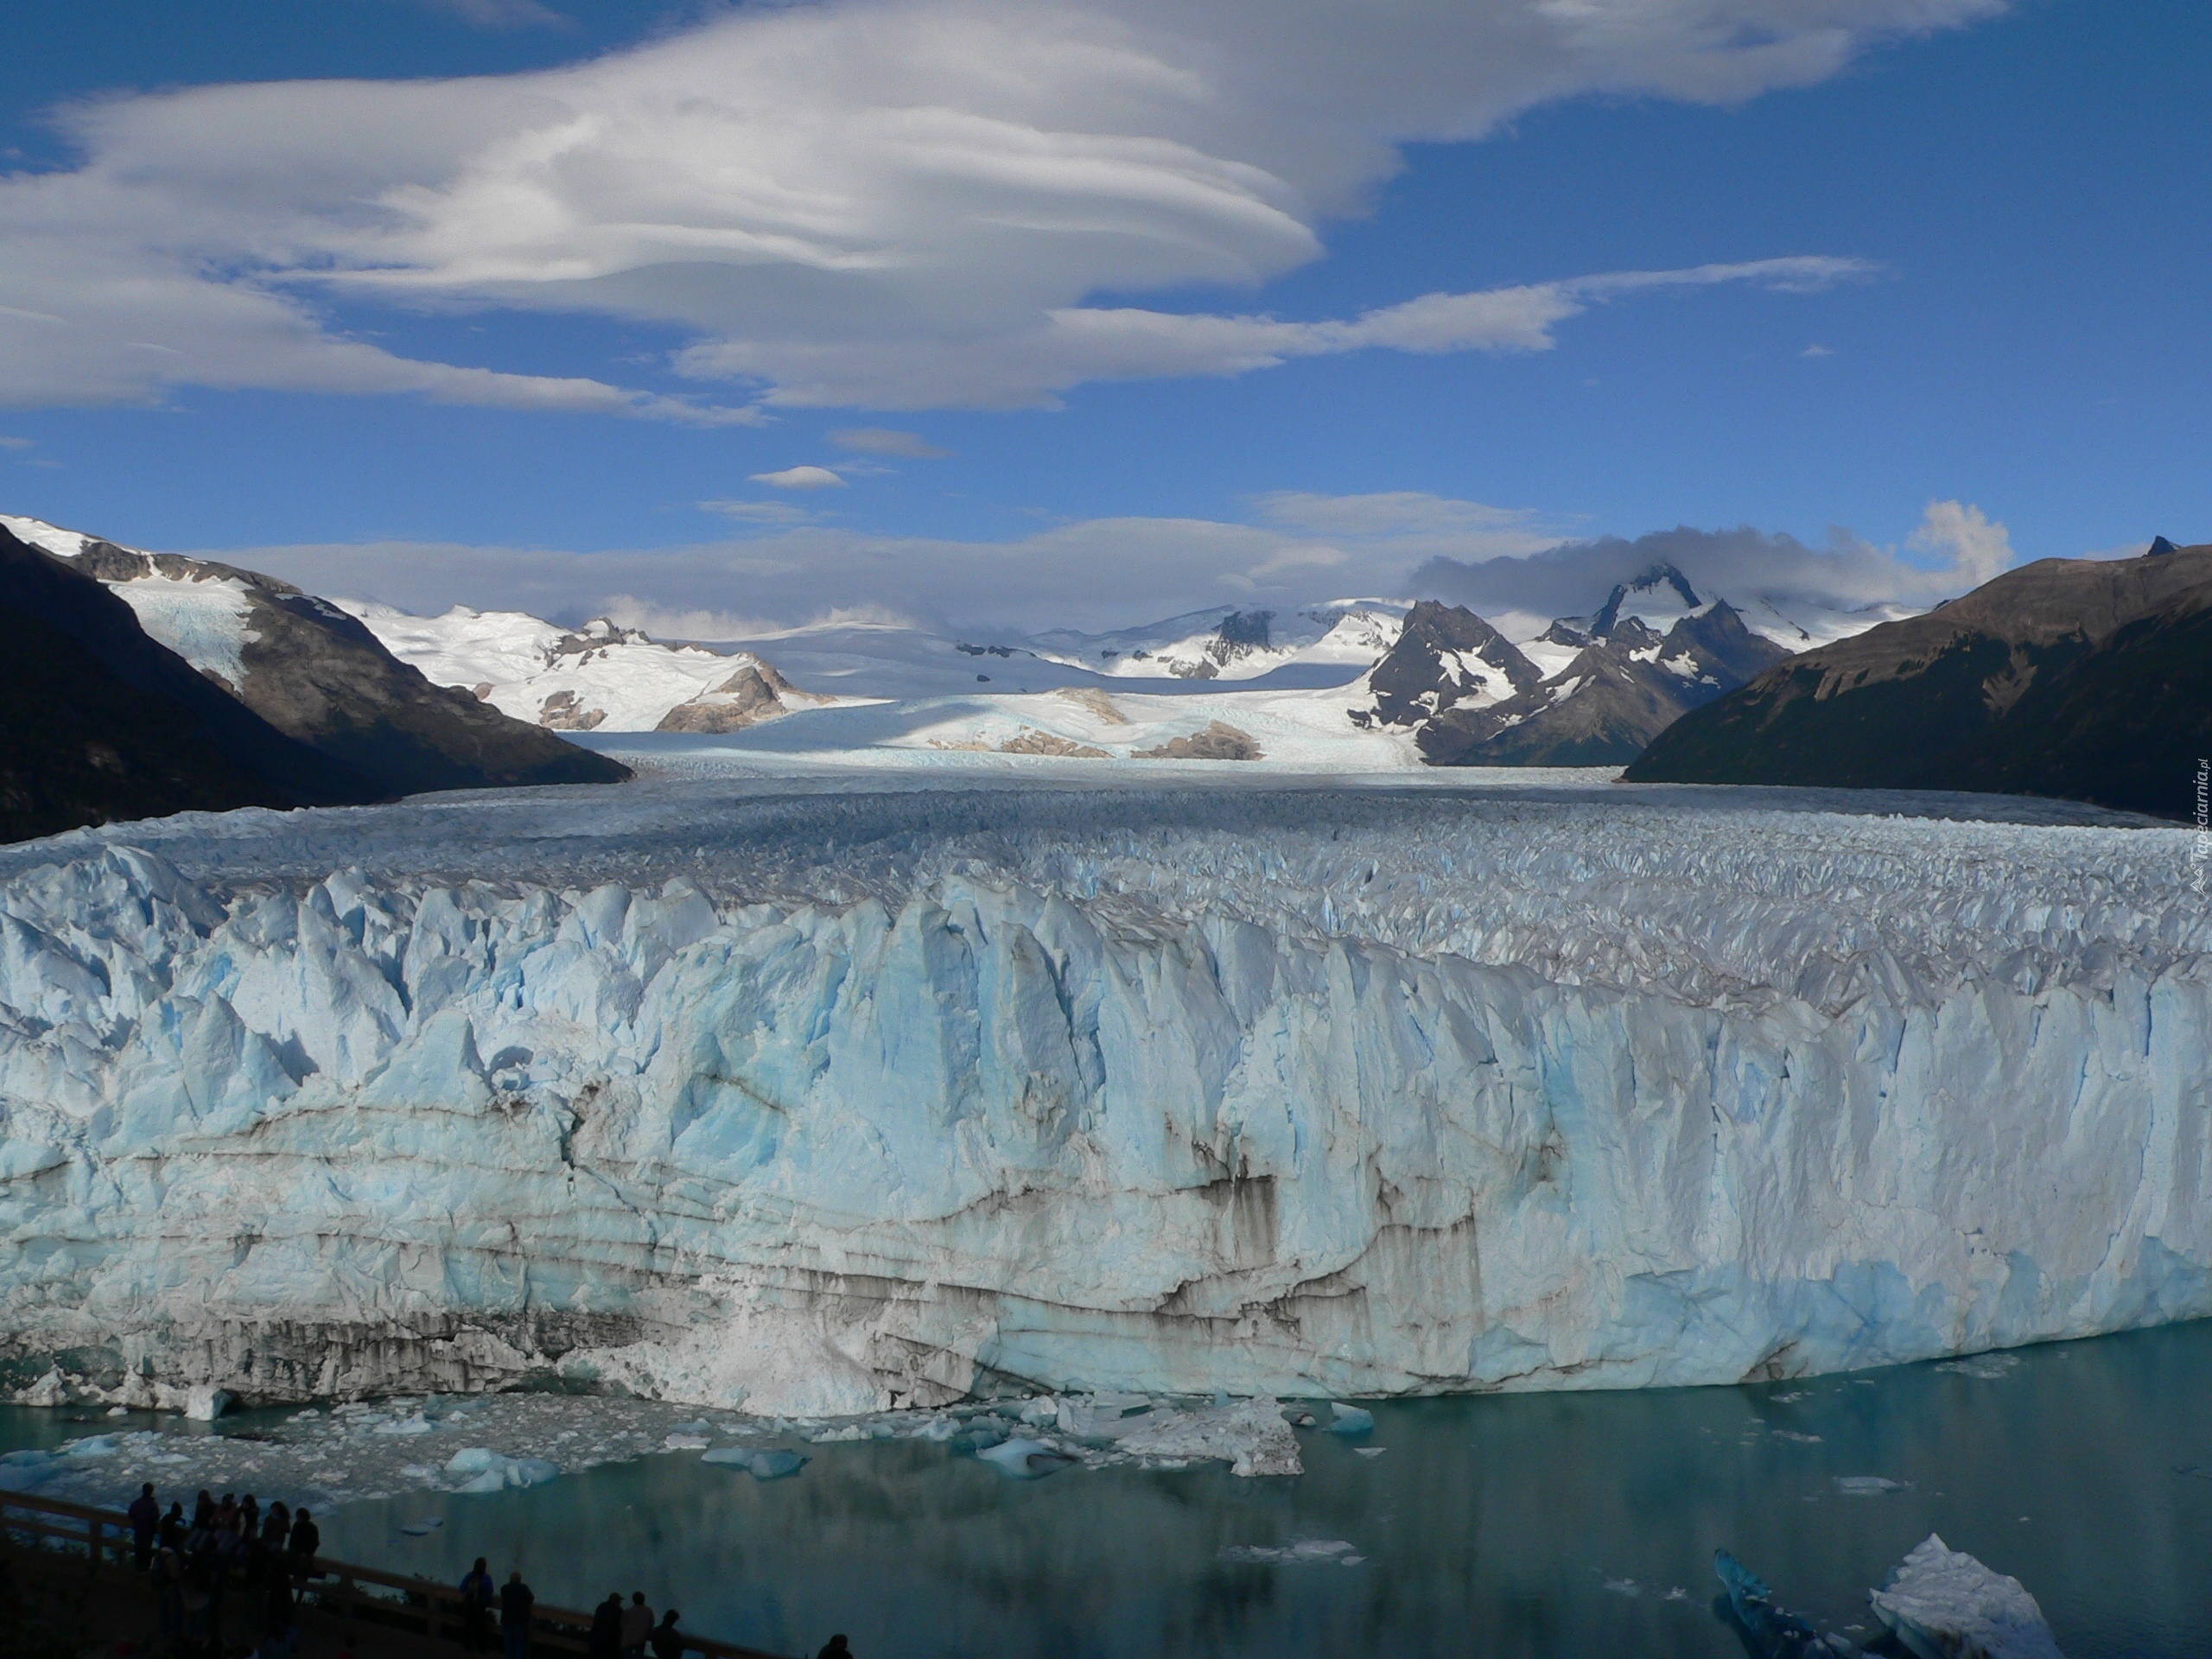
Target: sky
1082	312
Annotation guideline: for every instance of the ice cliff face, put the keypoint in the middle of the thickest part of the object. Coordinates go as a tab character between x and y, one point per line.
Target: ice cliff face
832	1101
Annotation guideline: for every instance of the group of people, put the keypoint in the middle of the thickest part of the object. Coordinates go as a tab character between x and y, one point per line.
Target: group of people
229	1547
616	1631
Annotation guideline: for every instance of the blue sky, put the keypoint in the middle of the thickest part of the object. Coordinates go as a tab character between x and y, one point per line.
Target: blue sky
1999	226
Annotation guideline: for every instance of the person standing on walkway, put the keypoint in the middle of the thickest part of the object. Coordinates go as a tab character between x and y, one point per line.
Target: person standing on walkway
145	1521
668	1640
606	1628
837	1649
637	1626
306	1542
515	1602
476	1596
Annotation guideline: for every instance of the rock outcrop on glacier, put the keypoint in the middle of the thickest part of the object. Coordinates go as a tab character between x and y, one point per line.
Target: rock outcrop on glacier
821	1103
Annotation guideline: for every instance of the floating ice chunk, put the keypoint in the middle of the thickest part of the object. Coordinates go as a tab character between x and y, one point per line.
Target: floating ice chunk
93	1445
1351	1420
1045	1409
678	1440
771	1464
1868	1485
423	1529
1985	1368
940	1428
1250	1435
1942	1603
23	1471
1303	1552
1792	1435
1370	1451
417	1424
205	1403
486	1470
1773	1631
1026	1459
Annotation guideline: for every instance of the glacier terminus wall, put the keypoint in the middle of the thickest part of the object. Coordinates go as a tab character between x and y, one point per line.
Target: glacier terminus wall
825	1098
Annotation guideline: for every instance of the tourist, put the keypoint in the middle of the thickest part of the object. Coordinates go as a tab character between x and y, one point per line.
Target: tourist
277	1525
477	1594
249	1518
307	1541
606	1628
173	1529
145	1515
168	1591
276	1612
203	1509
637	1626
837	1649
515	1602
667	1640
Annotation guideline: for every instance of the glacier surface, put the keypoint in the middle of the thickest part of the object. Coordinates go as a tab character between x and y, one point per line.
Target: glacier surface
835	1097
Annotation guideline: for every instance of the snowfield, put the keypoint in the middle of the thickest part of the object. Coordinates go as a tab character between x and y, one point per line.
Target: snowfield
831	1097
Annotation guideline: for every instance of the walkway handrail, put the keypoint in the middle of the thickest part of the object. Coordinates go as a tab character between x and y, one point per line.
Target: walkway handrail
425	1604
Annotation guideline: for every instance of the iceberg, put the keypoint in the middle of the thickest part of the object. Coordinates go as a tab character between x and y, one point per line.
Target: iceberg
1942	1603
1026	1459
823	1101
760	1465
482	1470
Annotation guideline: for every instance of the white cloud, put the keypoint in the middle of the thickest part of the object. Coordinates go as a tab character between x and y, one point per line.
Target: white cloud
1817	351
759	512
15	443
501	14
1973	547
883	440
801	477
893	203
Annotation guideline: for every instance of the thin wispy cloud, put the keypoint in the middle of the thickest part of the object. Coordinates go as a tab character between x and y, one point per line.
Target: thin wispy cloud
883	440
896	204
801	477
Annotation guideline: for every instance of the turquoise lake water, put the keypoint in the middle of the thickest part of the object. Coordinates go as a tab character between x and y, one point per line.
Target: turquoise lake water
1507	1526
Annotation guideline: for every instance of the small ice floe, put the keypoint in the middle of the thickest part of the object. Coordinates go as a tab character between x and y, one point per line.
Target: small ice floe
1988	1368
1370	1451
1624	1586
482	1470
677	1440
772	1464
940	1428
416	1424
1045	1409
1026	1459
423	1529
1771	1631
1869	1485
1351	1420
1303	1552
1942	1603
1792	1435
1249	1435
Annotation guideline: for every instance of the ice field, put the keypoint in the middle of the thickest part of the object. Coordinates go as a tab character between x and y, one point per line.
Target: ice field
810	1096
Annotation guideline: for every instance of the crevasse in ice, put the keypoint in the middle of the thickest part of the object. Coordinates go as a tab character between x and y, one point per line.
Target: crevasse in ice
829	1102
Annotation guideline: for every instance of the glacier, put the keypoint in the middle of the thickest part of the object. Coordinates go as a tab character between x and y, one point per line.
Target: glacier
837	1096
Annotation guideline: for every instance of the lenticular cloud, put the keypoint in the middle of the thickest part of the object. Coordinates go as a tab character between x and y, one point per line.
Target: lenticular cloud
897	203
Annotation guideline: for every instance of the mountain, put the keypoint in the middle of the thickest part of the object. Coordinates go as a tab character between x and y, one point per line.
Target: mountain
317	675
1225	643
596	677
1587	691
2084	679
102	723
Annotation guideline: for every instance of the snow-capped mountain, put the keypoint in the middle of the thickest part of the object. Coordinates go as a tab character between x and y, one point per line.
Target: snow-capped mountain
316	674
1228	643
596	677
1589	690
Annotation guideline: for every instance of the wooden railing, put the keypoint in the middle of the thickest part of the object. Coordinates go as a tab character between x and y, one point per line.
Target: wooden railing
365	1595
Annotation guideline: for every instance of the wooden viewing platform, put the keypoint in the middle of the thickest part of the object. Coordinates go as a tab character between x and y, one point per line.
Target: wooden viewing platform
366	1597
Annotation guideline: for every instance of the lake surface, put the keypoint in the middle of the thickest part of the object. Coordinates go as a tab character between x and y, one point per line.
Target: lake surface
1507	1526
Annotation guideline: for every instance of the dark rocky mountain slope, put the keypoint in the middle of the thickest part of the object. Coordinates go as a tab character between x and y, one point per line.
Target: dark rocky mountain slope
2084	679
319	675
100	722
